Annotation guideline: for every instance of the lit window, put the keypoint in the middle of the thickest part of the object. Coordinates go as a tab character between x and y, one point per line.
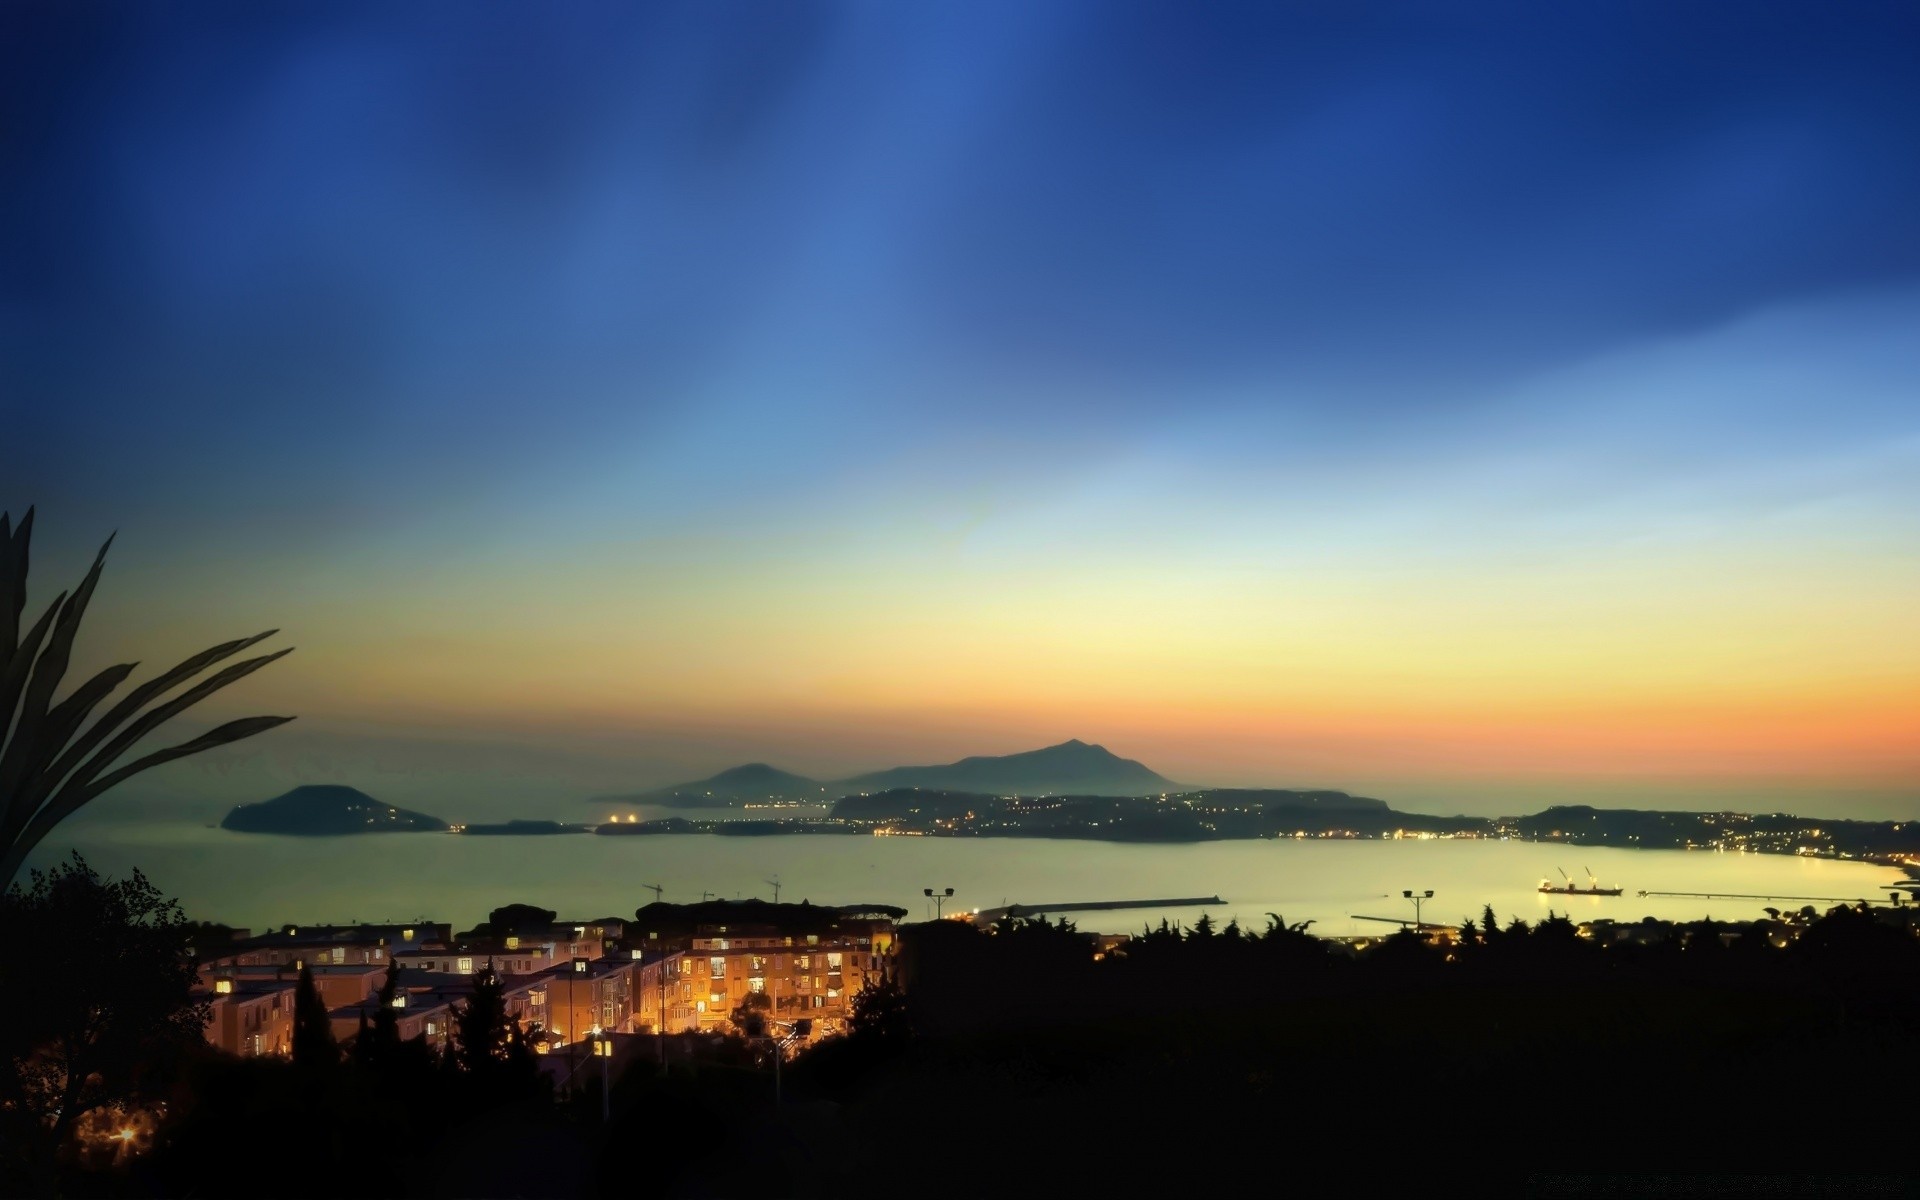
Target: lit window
813	939
716	966
513	942
833	961
429	1028
223	987
466	966
756	984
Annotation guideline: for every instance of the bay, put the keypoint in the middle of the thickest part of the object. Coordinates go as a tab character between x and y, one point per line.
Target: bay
264	881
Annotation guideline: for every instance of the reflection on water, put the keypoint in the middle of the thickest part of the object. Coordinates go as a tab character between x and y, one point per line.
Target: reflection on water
260	881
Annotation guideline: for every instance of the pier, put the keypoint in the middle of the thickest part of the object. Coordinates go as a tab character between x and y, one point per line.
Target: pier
1746	896
988	916
1403	922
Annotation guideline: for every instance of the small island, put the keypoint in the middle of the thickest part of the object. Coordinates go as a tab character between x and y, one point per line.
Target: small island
327	810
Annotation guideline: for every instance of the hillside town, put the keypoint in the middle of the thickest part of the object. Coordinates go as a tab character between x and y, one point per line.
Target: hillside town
593	987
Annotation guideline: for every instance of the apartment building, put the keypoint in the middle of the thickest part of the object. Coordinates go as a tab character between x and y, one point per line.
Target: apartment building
252	1017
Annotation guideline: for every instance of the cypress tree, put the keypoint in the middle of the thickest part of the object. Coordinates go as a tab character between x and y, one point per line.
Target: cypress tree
481	1028
313	1044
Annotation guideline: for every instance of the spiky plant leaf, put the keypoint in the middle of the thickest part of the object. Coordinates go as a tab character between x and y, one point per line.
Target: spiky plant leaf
70	800
13	585
15	679
137	699
27	749
148	721
46	771
61	723
9	618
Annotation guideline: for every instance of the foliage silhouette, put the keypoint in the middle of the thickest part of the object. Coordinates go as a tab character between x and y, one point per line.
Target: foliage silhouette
110	997
49	768
314	1047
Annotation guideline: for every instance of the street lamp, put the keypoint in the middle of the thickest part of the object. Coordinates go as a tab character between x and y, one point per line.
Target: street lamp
939	900
1417	897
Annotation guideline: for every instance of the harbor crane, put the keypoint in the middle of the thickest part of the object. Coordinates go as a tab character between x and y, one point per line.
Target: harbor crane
656	889
774	883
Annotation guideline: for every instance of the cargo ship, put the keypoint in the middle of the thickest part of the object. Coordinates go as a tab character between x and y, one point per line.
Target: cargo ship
1569	888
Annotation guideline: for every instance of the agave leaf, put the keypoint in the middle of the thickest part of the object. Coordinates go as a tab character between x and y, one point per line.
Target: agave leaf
79	783
9	580
133	701
13	586
232	731
70	800
22	665
60	725
27	748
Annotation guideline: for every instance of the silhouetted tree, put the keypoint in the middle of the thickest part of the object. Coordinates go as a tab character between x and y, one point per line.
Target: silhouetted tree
481	1026
879	1013
110	994
49	768
378	1046
749	1017
515	918
313	1043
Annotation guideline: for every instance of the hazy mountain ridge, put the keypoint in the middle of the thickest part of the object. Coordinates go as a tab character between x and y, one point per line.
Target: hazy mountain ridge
757	782
1070	768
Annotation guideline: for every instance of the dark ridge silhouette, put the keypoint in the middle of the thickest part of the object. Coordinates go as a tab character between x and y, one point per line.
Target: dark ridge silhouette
1070	768
324	810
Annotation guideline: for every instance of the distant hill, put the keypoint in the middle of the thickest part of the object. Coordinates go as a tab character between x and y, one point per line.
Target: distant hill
1070	768
754	782
327	809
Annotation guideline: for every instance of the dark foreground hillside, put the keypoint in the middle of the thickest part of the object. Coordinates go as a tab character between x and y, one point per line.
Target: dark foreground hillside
1770	1058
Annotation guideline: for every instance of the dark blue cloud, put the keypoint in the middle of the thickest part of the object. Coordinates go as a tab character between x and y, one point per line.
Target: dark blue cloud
407	254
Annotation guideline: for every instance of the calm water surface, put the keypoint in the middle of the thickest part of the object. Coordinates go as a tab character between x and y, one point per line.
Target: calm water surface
260	881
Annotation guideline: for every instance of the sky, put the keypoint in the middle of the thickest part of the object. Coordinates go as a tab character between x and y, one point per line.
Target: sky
1478	406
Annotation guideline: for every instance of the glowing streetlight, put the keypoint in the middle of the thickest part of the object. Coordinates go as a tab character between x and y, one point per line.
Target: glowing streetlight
1417	897
939	900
